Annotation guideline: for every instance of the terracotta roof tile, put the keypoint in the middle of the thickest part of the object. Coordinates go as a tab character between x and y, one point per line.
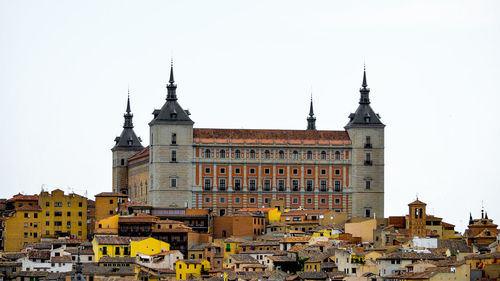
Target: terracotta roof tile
251	134
22	197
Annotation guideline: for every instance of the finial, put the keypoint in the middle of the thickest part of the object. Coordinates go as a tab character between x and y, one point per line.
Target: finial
128	101
171	81
364	77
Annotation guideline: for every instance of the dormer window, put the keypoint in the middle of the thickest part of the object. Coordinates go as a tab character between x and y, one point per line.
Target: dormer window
173	115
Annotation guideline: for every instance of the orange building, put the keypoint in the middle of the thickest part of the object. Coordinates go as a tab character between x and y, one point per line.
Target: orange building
107	204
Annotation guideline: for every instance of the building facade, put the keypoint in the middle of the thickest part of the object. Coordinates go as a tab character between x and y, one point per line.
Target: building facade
229	169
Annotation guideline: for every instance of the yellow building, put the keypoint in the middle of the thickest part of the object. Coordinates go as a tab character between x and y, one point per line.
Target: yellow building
107	225
148	246
121	246
107	204
63	215
186	268
22	227
232	246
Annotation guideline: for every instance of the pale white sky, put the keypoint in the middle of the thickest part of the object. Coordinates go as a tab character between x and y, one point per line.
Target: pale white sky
432	66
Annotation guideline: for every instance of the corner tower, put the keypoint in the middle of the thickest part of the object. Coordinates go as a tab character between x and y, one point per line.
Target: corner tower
171	153
366	132
126	145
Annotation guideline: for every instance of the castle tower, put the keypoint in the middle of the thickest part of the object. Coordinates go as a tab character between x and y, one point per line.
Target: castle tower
366	132
126	145
311	120
417	218
171	153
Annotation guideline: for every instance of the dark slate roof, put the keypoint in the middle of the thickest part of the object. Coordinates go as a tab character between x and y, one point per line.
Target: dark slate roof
359	118
128	140
171	112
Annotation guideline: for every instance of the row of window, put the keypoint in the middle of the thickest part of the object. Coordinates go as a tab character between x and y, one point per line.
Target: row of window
60	204
35	234
267	200
252	186
267	154
267	171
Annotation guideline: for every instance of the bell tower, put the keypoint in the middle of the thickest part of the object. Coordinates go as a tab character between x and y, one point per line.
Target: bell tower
417	219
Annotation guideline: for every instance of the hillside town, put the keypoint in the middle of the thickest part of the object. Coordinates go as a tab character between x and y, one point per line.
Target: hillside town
58	236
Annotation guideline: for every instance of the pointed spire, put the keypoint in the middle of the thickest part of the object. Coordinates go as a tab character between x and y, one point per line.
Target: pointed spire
486	215
128	114
311	120
171	86
365	98
471	221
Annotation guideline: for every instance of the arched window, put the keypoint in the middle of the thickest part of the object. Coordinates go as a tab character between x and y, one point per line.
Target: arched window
309	155
222	154
295	155
252	154
282	154
237	154
337	155
267	154
207	153
323	155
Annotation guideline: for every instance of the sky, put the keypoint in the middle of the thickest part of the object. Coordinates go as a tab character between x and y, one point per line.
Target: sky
432	66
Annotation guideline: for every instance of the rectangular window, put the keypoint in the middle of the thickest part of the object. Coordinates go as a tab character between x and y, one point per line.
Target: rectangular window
281	171
281	185
323	201
337	201
295	171
267	200
35	215
237	200
252	185
69	204
47	214
173	182
68	214
237	171
295	201
267	185
309	171
80	214
25	225
47	204
237	184
207	199
80	204
368	142
47	223
174	138
295	185
323	172
174	156
58	223
222	200
58	204
337	186
68	224
26	215
207	170
79	223
368	184
337	172
222	184
309	185
252	200
207	184
252	171
117	251
309	201
267	171
26	235
222	170
323	185
58	214
367	213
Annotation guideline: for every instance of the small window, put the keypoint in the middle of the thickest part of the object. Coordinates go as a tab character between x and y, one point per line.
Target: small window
323	155
267	154
222	170
295	155
267	171
173	182
80	204
222	154
111	201
207	199
309	201
295	171
295	200
337	155
122	162
252	171
267	200
68	214
237	200
337	172
337	201
174	138
222	184
237	171
367	213
252	154
281	154
309	171
309	155
237	154
368	142
252	185
174	156
368	184
323	172
222	200
207	153
281	171
323	201
26	215
47	204
207	170
252	200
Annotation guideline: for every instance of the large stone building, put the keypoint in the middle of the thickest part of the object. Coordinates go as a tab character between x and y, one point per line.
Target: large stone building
228	169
